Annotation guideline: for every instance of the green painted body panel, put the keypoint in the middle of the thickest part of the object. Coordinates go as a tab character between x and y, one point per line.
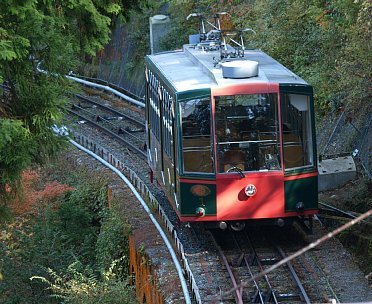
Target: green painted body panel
299	171
186	95
295	88
191	202
301	190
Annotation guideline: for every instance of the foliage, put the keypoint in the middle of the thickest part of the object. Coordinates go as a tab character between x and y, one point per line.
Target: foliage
74	248
79	285
322	41
40	42
139	34
112	244
13	137
181	28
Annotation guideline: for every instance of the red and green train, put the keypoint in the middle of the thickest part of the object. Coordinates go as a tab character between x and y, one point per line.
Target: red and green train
231	142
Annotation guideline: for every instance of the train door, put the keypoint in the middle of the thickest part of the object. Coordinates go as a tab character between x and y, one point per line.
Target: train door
299	148
248	152
196	155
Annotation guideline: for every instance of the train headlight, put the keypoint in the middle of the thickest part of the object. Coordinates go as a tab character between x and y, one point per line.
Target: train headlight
250	190
200	190
200	211
300	207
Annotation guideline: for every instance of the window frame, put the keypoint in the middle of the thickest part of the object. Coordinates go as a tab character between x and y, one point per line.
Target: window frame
277	132
303	90
183	172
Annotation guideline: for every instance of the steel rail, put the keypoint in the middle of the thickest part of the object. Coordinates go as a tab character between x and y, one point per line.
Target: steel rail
109	132
262	301
107	88
120	130
238	294
338	210
102	118
295	277
112	110
272	292
304	249
152	217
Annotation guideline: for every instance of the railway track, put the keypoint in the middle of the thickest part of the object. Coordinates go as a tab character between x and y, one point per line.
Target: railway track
244	253
121	126
239	266
232	266
124	113
247	254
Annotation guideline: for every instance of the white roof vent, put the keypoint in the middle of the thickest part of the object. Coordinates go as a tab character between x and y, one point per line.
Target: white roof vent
239	69
159	18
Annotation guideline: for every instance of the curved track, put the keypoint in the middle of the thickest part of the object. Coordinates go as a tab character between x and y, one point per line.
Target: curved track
112	122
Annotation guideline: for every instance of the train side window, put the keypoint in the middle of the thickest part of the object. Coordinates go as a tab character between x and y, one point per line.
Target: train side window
167	124
297	131
196	135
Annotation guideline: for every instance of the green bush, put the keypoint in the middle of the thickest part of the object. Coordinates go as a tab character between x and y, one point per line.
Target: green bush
75	249
83	286
112	243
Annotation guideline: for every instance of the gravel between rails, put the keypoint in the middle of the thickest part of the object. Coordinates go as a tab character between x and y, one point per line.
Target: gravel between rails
332	263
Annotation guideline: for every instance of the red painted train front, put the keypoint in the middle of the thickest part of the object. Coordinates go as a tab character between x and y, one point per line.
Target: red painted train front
231	143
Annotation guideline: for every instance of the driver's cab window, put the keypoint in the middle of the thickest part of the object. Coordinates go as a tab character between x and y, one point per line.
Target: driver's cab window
196	136
247	133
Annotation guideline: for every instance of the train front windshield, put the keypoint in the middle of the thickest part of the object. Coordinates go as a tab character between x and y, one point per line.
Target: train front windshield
247	132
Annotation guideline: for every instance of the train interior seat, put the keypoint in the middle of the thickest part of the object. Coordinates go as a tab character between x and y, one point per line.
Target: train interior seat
292	150
197	155
233	158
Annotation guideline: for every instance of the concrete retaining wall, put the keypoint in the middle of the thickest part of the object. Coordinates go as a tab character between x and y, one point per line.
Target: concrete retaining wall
335	172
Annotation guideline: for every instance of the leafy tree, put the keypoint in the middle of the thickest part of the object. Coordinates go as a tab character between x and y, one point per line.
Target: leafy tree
38	36
325	42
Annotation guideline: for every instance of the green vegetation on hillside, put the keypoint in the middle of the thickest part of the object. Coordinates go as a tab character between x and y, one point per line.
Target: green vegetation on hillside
326	42
68	248
40	42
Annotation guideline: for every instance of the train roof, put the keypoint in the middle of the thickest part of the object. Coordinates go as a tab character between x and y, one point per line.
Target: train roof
192	68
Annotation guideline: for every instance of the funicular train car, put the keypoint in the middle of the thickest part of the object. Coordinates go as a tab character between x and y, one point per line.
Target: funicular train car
230	134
